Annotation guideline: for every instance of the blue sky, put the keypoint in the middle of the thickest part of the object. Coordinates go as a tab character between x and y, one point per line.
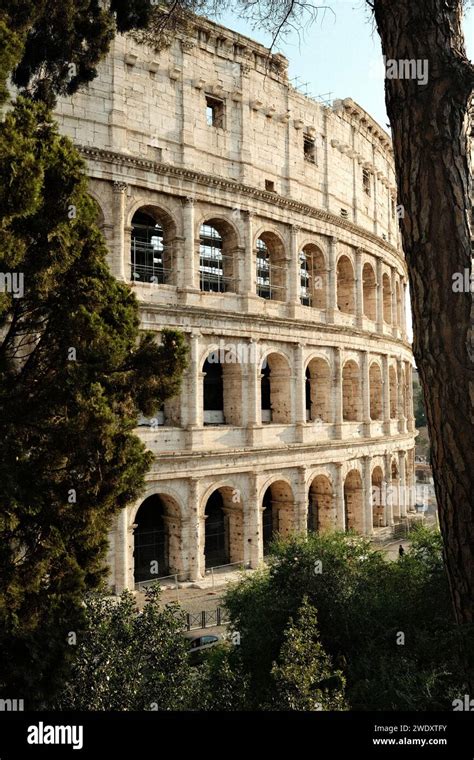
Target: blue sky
340	53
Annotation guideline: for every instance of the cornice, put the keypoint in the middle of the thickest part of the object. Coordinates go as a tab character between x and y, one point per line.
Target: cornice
209	180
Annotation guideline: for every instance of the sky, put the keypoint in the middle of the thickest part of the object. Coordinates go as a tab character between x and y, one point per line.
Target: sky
340	53
339	56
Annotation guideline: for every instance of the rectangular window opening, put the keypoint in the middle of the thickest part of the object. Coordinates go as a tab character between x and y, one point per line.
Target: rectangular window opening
309	144
214	112
366	182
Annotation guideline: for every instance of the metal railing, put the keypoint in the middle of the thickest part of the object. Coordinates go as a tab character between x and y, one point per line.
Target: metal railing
141	585
206	619
222	571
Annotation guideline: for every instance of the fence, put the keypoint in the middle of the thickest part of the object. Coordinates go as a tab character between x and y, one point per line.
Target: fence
205	619
221	573
172	582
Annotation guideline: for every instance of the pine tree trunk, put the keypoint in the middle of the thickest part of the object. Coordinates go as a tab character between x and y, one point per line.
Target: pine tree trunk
430	129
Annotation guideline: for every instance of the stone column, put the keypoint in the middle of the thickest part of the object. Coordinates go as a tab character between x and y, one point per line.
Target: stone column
411	417
379	296
339	497
368	518
393	285
190	268
404	308
193	400
253	529
301	502
359	289
386	491
250	274
332	280
338	407
403	495
294	267
196	533
386	394
300	388
402	423
366	393
122	553
119	253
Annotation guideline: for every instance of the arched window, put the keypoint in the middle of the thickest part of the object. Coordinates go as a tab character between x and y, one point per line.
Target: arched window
276	390
345	286
353	501
151	544
378	498
271	270
216	549
376	392
318	378
213	393
369	286
312	277
151	253
217	243
278	512
321	508
351	392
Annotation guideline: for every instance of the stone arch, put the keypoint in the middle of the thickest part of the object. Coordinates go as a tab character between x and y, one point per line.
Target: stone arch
218	242
222	388
378	497
318	389
275	388
271	266
376	391
321	505
351	392
393	390
387	298
223	526
345	285
369	289
353	501
152	247
313	277
157	538
278	511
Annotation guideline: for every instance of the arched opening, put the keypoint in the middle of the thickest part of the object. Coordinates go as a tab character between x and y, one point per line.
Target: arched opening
345	286
353	501
369	289
153	233
387	299
392	375
271	269
213	395
217	267
276	390
157	538
278	512
321	508
378	497
222	391
312	277
223	528
318	390
376	391
399	304
351	392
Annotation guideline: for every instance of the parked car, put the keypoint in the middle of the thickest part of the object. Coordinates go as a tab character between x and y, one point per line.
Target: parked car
205	641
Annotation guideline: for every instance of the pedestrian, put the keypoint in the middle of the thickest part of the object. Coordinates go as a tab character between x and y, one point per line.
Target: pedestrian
401	551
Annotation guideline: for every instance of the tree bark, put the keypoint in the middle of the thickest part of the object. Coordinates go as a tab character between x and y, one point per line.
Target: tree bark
430	126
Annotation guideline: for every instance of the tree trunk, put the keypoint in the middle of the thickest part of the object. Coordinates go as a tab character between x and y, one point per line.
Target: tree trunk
430	125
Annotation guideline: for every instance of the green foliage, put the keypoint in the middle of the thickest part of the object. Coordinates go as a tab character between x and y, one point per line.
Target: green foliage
129	660
221	681
75	373
304	678
363	603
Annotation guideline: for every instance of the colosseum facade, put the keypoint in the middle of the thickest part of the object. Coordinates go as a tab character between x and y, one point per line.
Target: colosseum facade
262	224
